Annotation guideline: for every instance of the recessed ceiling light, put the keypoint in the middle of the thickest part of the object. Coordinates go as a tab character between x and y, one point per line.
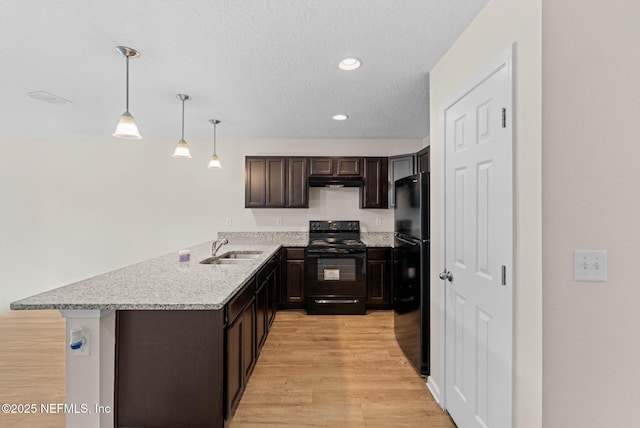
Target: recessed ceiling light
349	64
340	117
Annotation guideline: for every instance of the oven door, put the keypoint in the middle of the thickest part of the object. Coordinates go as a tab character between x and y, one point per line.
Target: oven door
336	283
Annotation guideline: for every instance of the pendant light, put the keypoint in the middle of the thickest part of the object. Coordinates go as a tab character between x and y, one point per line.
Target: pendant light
182	150
127	127
214	162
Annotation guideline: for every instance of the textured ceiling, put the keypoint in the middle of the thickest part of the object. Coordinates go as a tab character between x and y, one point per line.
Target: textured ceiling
265	68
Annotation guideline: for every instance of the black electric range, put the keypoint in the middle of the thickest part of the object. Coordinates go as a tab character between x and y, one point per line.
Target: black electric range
336	268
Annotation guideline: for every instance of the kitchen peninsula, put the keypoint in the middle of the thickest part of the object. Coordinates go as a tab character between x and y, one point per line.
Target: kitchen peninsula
156	337
163	337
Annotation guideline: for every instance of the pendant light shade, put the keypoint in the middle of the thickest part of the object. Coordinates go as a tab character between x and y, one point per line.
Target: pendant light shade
214	162
127	127
182	150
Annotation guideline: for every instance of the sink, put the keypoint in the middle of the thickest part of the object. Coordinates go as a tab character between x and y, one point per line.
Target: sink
232	258
240	255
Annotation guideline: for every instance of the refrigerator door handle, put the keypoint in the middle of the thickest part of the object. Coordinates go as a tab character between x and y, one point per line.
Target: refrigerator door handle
406	241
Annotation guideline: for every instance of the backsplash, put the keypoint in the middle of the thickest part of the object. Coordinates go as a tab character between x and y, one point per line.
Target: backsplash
294	239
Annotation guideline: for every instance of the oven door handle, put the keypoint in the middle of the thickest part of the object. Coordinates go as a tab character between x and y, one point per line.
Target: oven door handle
336	301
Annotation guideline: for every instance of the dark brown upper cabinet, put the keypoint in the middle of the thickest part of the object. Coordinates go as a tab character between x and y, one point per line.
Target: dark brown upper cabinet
297	187
321	166
349	166
276	182
255	181
283	181
336	166
374	193
399	167
423	160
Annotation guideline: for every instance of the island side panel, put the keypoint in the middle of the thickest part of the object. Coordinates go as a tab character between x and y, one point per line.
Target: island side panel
169	368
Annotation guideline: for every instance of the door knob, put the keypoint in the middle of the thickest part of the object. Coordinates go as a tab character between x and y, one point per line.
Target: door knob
446	275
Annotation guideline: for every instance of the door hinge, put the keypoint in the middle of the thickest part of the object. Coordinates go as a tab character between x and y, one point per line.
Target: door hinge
504	275
504	117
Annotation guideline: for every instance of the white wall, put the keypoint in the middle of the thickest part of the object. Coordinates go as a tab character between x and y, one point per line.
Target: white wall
501	23
71	210
591	171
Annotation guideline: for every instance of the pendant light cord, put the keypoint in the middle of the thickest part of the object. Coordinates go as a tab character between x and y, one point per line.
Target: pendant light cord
214	138
127	83
183	119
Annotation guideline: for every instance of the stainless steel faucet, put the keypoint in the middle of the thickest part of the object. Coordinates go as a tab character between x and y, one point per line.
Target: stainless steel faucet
215	245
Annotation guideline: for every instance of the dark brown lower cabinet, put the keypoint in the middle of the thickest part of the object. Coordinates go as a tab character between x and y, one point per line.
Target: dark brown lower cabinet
169	368
262	315
234	370
189	368
272	293
241	354
292	284
379	293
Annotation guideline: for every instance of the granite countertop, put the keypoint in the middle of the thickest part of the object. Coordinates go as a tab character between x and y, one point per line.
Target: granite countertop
377	239
163	284
157	284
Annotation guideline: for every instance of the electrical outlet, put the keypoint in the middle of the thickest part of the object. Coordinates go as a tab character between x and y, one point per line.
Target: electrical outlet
590	266
378	221
278	221
227	221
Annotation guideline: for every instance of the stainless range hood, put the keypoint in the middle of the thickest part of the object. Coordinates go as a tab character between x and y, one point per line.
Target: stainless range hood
320	181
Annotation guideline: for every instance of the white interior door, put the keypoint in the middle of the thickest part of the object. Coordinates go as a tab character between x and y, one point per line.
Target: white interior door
478	253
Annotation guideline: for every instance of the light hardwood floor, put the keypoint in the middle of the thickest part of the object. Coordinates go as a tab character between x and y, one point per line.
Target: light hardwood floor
32	366
314	371
336	371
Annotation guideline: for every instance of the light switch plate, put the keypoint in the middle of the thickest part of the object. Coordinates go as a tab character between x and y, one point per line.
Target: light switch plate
591	265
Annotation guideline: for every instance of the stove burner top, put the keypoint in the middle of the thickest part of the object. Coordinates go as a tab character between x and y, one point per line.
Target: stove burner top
335	236
336	242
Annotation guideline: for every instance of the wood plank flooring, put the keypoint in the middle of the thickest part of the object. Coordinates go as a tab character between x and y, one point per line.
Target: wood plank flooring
336	371
32	366
314	371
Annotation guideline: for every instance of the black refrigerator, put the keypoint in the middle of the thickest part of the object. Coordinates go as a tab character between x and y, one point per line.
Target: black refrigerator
411	269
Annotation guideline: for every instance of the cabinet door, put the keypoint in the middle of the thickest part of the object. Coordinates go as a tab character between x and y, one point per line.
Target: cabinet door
255	182
248	340
234	366
275	183
292	285
374	193
272	297
295	282
349	166
297	186
423	160
321	166
261	315
399	167
379	294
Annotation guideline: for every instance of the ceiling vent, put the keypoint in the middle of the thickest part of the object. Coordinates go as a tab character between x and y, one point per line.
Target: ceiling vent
48	97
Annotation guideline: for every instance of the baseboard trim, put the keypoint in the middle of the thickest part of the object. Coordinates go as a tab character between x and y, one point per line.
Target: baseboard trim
434	390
